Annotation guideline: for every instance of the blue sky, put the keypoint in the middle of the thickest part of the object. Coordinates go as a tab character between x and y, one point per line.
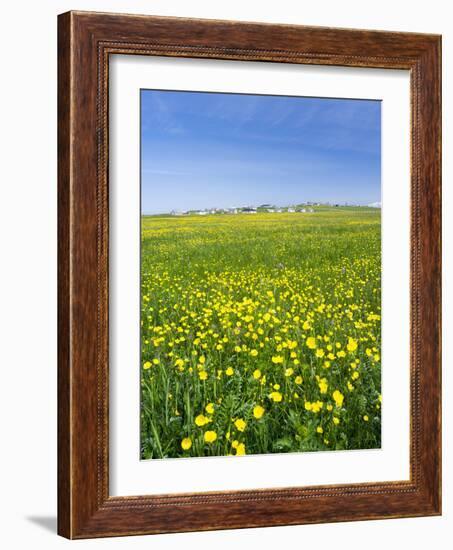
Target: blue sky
206	150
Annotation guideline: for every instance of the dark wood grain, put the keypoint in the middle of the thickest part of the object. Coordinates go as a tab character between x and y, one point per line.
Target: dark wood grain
64	310
85	42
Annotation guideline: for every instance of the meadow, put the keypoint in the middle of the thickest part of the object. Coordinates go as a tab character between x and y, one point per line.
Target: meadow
261	333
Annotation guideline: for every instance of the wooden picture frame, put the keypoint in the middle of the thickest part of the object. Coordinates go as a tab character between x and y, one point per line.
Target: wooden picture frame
85	42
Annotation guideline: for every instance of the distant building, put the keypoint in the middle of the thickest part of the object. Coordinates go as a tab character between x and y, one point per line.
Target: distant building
290	209
249	210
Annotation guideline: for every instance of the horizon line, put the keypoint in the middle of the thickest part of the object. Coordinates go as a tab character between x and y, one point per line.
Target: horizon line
364	204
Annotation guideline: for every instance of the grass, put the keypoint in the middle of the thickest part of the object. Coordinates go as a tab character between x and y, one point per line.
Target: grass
260	333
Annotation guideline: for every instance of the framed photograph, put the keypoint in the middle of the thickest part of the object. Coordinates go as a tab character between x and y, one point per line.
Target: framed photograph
249	275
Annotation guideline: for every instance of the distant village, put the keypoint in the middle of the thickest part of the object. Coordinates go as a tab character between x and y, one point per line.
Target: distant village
302	208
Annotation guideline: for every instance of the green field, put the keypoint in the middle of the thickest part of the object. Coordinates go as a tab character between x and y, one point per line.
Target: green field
261	333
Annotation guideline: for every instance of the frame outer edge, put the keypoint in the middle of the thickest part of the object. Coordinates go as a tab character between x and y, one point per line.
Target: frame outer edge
82	512
64	527
434	123
427	158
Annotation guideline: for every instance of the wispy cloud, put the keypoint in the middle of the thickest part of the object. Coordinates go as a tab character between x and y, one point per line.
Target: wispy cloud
155	111
165	172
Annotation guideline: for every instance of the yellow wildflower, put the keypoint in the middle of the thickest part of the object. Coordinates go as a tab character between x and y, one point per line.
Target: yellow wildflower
338	398
258	411
240	449
352	344
201	420
210	436
240	424
323	385
317	406
186	443
311	342
276	396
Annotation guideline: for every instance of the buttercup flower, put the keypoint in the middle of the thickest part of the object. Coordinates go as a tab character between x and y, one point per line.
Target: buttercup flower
240	424
210	436
186	443
276	396
352	344
311	342
258	411
240	449
338	398
201	420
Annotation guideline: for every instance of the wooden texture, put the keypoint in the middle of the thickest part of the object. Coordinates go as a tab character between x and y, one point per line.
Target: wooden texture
85	41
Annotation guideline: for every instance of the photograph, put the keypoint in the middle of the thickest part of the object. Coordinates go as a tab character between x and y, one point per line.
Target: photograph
260	274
